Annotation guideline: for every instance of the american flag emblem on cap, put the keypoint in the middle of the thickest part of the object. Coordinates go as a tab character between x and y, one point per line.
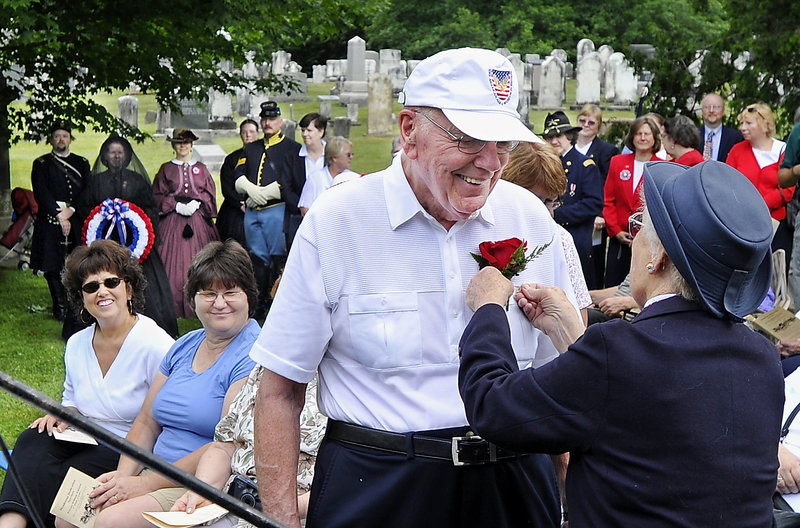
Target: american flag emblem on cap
500	80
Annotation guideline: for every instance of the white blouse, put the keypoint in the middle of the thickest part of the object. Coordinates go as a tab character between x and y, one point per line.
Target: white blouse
113	401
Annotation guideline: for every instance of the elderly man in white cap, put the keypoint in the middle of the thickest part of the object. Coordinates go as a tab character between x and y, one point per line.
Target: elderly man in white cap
372	298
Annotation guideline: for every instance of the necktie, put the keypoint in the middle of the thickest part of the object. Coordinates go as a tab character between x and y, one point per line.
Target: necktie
709	144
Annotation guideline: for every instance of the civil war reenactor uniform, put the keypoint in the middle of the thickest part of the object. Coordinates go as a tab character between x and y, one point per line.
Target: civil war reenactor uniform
583	200
57	179
271	174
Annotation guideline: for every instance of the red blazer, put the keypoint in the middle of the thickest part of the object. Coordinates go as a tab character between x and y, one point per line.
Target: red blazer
765	179
690	159
621	199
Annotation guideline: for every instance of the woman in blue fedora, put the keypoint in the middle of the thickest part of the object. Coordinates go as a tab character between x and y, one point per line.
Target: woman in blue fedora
670	420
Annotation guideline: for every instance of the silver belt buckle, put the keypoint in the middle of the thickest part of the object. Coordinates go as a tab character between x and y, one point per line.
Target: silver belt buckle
458	441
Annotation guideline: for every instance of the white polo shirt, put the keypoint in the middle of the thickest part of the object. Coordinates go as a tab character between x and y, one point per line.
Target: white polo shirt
373	297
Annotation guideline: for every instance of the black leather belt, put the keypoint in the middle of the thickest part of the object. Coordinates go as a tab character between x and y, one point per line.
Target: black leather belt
460	450
271	203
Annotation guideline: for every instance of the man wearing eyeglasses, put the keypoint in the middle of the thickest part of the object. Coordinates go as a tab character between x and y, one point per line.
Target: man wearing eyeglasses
716	139
372	299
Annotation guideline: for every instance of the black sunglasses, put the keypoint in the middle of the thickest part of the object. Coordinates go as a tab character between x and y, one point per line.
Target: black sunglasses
109	282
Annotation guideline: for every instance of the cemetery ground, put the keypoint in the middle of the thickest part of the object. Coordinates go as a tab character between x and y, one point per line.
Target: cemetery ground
31	348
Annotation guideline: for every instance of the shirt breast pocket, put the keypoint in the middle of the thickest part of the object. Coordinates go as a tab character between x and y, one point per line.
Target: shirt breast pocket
385	330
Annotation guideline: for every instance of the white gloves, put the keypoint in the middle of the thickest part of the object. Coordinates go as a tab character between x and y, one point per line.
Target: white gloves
187	209
257	195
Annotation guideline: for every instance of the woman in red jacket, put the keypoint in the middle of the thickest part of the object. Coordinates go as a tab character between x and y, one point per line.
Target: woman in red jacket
621	195
758	157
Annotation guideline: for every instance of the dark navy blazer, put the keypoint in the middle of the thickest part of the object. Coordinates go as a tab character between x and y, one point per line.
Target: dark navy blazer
671	420
601	152
583	201
730	137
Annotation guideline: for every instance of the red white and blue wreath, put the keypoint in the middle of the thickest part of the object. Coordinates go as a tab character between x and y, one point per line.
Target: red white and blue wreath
132	226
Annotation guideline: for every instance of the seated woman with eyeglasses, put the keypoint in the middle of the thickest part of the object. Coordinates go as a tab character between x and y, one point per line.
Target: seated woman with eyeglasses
110	366
197	381
758	157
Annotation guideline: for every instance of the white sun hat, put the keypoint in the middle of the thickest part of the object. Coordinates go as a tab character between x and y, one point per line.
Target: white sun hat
477	89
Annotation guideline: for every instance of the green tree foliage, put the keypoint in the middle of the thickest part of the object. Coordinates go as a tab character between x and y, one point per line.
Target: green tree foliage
57	54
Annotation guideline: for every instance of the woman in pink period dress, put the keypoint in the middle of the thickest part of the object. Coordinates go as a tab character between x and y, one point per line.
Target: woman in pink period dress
187	201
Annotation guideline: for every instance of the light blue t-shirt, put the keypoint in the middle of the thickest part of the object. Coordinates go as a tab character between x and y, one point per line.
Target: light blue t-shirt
189	405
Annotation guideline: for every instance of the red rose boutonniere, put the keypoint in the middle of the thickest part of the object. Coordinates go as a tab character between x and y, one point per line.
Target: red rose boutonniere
506	255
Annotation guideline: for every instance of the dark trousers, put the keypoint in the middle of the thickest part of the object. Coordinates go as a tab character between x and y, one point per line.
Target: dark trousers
618	262
356	486
42	462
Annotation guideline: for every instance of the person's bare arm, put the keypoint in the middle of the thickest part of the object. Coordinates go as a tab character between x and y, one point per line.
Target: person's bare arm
787	178
277	445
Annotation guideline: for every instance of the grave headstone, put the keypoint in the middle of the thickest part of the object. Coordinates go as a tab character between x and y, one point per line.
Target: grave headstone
128	110
379	109
242	101
318	73
560	54
326	103
551	88
370	67
341	127
352	113
280	62
590	71
298	93
374	56
388	58
355	85
585	47
333	69
289	128
532	58
212	156
609	78
625	85
410	65
193	116
221	105
605	51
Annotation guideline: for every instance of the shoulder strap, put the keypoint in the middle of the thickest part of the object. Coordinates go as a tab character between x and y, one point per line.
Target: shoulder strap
788	422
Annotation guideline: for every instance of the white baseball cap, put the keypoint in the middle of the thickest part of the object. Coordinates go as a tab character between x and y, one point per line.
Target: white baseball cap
477	89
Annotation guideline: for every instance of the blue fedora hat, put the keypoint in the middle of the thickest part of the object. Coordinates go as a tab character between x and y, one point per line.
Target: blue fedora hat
716	229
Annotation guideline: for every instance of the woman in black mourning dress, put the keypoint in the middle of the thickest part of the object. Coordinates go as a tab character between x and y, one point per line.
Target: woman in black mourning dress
118	173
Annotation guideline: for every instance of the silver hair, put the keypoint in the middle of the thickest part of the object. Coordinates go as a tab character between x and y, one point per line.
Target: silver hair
681	286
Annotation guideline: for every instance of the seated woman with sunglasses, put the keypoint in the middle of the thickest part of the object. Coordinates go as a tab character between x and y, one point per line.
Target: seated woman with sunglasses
109	368
196	383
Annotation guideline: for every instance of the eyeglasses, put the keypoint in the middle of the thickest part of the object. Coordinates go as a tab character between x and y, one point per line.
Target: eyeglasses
635	223
584	121
109	282
553	204
210	296
713	107
469	145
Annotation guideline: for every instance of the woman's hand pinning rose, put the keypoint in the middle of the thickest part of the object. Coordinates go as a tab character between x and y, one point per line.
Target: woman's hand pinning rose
549	310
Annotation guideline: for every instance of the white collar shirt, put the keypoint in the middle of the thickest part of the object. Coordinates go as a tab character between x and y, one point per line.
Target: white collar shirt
316	178
372	296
